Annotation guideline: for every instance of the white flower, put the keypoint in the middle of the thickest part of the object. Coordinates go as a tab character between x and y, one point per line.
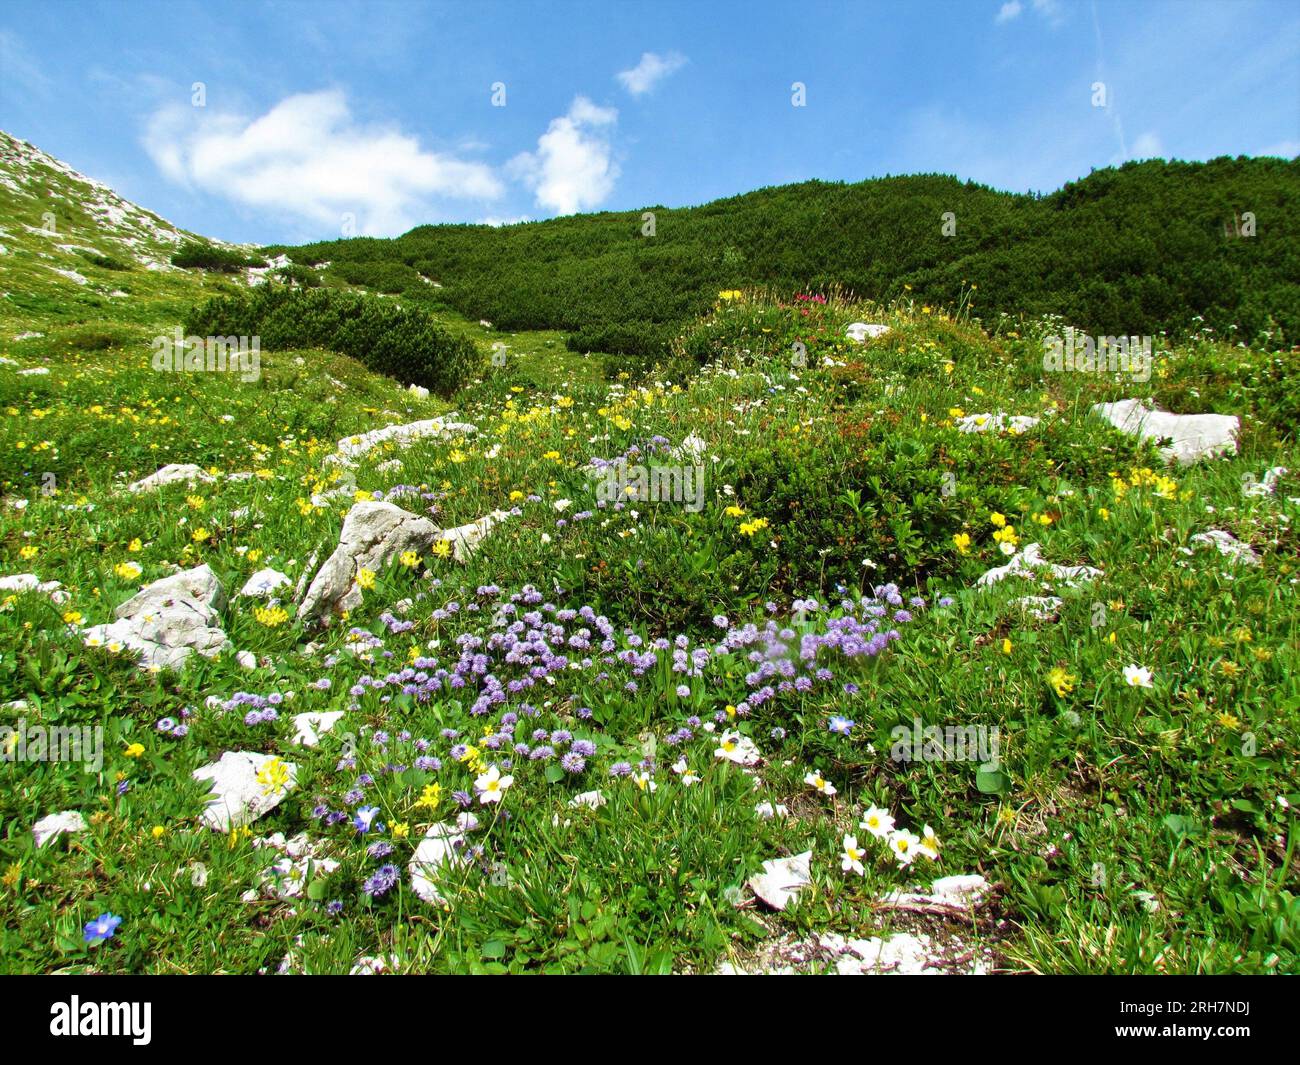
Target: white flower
546	538
643	781
929	843
819	783
492	785
852	858
733	747
1137	676
684	773
563	504
904	844
878	822
767	811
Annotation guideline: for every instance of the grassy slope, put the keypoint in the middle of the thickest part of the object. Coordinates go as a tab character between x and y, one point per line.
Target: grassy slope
1108	792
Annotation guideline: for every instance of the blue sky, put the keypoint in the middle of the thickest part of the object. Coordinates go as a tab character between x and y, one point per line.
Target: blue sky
321	118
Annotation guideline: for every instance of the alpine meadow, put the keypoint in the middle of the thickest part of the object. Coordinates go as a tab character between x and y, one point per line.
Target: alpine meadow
423	551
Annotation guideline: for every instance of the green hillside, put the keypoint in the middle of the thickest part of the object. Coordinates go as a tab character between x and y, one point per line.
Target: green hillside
1137	250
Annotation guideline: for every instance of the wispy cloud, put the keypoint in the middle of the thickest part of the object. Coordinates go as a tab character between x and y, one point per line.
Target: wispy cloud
18	69
1050	10
307	157
573	168
652	69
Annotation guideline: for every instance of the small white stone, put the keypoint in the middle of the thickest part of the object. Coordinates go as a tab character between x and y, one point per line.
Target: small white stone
53	826
782	879
238	797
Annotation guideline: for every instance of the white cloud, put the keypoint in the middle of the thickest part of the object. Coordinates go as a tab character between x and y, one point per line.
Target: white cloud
573	168
20	68
307	157
1148	146
497	221
652	69
1049	9
1284	149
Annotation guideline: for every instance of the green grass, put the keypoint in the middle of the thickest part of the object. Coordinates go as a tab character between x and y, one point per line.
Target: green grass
1125	830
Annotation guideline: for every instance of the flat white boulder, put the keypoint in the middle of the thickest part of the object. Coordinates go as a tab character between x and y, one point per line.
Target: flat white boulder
1030	563
351	448
310	727
264	582
1015	424
1227	545
782	879
173	473
238	797
169	619
864	331
49	828
1191	436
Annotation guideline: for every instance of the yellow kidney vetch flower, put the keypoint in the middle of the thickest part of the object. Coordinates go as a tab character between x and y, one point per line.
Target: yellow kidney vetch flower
1060	681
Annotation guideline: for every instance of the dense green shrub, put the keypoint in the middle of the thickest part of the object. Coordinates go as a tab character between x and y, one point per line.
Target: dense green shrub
1133	250
390	278
300	275
199	256
106	262
402	343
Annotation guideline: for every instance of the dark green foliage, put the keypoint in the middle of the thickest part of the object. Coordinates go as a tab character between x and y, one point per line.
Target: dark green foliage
300	275
390	278
1134	250
402	343
106	262
196	256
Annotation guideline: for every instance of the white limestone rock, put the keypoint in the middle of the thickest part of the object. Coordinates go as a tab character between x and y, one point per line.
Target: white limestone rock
962	891
30	582
1266	487
441	847
352	448
782	879
238	797
169	619
1030	563
864	331
1040	607
1227	545
264	583
374	533
310	727
50	828
1191	436
1015	424
172	473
